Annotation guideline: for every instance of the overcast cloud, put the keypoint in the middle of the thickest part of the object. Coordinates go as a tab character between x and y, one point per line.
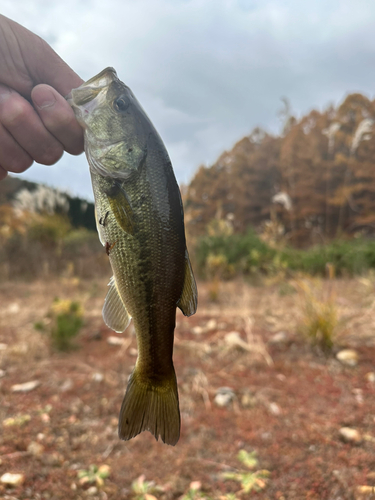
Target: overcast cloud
208	71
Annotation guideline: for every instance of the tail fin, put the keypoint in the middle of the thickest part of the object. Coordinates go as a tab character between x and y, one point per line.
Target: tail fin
150	407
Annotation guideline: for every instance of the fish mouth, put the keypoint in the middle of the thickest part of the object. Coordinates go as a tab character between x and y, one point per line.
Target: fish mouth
91	89
90	94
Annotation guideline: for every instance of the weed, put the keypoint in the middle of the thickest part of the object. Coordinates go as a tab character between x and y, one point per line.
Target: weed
66	322
40	326
250	481
319	315
286	288
143	489
94	474
19	420
194	492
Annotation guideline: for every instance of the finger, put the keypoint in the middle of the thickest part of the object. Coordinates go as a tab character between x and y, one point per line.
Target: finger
22	121
58	117
13	158
3	173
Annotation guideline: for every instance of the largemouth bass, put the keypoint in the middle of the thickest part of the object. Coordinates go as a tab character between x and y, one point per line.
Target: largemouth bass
140	222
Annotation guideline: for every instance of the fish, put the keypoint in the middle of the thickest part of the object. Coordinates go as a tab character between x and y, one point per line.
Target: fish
140	222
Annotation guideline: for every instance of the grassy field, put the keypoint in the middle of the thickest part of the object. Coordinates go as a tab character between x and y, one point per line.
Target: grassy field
276	429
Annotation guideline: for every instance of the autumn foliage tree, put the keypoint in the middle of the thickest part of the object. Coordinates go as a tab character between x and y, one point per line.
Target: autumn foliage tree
317	179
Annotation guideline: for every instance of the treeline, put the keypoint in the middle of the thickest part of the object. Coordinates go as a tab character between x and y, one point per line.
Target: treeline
45	232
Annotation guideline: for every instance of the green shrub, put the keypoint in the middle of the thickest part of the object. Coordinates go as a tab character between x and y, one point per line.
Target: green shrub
247	254
66	323
241	253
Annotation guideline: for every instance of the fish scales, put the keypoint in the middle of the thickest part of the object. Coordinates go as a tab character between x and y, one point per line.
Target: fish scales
140	221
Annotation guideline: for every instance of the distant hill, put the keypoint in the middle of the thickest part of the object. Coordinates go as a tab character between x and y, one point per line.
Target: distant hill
18	192
317	179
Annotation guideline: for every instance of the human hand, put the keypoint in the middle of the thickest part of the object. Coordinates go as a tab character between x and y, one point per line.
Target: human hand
36	122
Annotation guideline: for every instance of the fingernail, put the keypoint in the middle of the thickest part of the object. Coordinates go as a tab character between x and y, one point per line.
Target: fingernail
44	98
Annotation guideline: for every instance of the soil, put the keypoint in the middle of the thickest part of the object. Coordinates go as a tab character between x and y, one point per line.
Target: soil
289	399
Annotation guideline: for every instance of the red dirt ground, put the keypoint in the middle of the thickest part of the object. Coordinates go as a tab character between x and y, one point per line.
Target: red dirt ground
290	400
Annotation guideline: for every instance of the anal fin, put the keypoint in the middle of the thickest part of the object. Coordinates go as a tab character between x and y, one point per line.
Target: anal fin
189	297
114	311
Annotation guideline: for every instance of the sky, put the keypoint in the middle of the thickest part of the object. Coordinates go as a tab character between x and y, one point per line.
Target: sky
207	71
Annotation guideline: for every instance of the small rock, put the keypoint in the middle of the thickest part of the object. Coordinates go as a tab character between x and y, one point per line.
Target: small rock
281	377
14	308
222	325
66	385
364	492
35	449
133	351
112	340
369	438
370	377
274	409
211	324
266	436
348	357
248	400
233	339
2	373
349	435
358	394
40	436
224	396
3	347
198	330
95	335
98	377
54	459
93	490
26	387
279	338
45	418
195	485
12	479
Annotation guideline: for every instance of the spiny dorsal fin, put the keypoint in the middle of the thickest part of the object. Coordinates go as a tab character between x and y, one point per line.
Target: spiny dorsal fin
115	314
189	297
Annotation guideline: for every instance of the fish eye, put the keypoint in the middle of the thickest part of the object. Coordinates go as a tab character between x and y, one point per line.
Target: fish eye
121	103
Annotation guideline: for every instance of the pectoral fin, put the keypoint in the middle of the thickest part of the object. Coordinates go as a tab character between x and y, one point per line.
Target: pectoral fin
121	208
115	314
189	297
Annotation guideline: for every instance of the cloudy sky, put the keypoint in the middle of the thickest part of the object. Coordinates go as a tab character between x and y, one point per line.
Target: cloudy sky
208	71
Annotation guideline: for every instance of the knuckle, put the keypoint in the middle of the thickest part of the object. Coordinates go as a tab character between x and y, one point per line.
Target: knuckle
50	155
74	148
19	164
66	121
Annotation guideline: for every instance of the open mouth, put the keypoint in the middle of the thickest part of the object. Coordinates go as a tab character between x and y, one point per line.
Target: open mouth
86	97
